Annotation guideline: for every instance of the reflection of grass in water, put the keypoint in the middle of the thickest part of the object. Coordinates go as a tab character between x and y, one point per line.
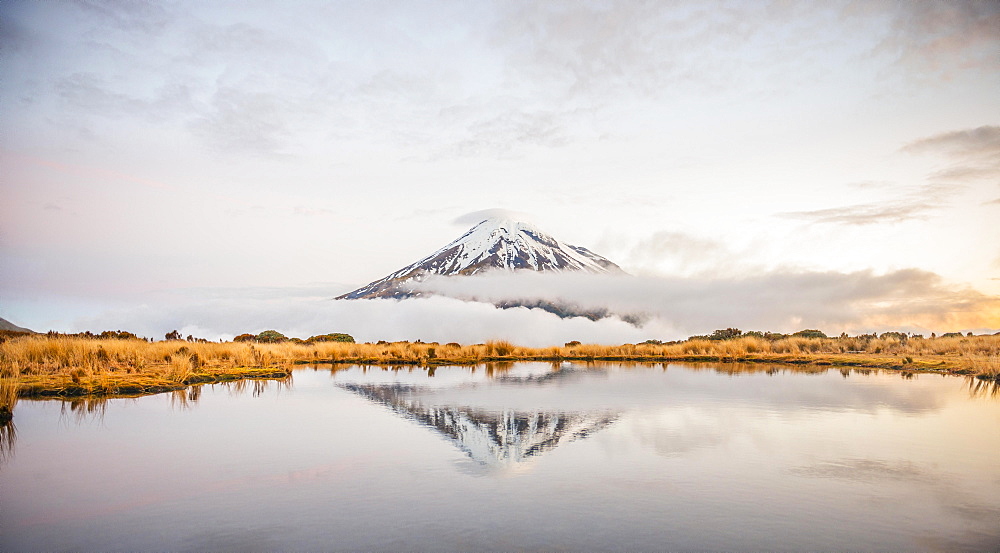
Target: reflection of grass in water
8	435
734	369
256	386
185	399
983	388
500	369
85	407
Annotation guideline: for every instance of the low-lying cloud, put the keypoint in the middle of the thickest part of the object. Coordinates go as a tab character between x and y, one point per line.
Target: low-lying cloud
429	319
463	310
780	301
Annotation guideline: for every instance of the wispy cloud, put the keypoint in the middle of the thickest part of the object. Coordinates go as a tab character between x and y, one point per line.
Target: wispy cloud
500	135
476	217
870	185
127	16
689	254
242	121
912	203
938	38
974	154
962	144
974	157
588	52
868	214
98	97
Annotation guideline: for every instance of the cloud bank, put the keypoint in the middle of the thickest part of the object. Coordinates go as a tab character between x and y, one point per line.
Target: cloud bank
437	319
672	308
780	301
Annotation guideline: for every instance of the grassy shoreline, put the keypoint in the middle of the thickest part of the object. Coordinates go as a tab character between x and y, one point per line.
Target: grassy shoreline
60	366
58	386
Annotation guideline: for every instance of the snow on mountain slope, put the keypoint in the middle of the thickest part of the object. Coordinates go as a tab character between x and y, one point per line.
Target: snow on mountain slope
497	243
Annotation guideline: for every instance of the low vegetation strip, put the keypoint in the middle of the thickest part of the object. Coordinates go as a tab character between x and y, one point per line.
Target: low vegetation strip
59	365
135	384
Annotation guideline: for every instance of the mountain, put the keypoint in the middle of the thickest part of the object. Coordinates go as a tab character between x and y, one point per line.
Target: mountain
7	325
497	243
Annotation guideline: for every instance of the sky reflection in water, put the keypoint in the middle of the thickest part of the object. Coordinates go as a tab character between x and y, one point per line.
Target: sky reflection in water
526	456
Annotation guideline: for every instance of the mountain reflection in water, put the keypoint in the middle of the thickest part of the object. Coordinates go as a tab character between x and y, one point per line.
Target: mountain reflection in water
493	437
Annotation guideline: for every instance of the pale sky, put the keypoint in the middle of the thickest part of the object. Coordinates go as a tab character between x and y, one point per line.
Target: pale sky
177	153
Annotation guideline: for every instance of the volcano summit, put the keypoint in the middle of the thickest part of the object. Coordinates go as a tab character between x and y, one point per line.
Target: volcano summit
497	243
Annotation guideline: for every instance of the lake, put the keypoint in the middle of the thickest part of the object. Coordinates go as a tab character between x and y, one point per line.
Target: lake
528	456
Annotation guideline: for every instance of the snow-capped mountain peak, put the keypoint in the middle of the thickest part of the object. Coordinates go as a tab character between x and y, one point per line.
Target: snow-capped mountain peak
496	243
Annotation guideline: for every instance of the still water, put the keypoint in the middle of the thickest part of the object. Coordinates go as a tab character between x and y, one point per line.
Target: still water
531	456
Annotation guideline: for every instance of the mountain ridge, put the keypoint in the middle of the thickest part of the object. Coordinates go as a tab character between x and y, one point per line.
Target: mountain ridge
11	327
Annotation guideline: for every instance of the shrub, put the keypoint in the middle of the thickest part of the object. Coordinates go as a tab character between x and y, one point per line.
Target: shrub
810	333
721	334
727	334
333	337
271	337
117	335
245	338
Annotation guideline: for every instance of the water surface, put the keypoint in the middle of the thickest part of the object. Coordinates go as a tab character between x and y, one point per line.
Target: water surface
531	456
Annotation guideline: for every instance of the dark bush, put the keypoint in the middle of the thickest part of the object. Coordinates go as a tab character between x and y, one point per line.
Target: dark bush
117	335
271	337
727	334
333	337
722	334
810	333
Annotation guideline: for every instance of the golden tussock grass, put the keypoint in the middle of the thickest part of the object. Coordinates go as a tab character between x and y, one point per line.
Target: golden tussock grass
73	365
